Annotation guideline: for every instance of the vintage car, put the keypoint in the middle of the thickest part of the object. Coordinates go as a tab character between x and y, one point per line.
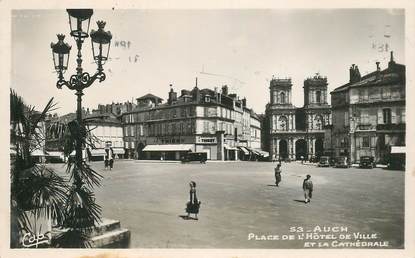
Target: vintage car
324	161
194	156
367	162
341	162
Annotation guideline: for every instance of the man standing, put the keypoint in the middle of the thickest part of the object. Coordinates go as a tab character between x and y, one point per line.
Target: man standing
308	189
277	174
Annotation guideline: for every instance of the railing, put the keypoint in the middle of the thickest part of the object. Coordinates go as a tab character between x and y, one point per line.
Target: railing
391	127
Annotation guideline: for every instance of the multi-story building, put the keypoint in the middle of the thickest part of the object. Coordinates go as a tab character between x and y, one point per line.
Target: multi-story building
105	131
200	120
291	132
369	113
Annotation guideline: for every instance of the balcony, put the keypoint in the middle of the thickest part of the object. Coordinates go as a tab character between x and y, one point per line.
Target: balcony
391	127
365	127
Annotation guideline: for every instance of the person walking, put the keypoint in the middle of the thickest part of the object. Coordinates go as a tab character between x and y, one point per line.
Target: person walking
308	189
106	161
111	158
277	171
194	204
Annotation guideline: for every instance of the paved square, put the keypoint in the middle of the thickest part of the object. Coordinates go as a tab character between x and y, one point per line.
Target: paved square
238	198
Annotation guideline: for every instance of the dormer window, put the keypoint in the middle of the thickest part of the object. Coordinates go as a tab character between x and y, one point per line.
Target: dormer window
207	98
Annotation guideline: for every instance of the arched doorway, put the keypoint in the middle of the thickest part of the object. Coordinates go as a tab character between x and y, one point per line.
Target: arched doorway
319	148
283	149
300	149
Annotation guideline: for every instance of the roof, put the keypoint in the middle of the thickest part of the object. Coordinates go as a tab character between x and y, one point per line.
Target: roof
389	75
102	118
149	96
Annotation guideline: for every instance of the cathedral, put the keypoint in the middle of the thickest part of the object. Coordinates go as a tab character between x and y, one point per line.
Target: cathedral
292	133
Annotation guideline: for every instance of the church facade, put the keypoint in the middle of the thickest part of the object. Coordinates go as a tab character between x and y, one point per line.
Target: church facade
293	133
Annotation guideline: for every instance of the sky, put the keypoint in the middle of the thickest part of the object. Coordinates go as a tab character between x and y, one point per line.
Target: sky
152	49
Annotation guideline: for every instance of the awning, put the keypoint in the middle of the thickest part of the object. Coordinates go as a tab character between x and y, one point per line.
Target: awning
245	151
230	148
398	149
98	152
54	153
38	153
254	151
263	153
168	147
118	150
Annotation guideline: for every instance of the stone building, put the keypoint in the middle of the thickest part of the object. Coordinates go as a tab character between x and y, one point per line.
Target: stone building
369	113
291	132
200	120
106	131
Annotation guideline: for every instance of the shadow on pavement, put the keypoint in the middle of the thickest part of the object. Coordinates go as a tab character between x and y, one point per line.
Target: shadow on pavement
185	217
300	201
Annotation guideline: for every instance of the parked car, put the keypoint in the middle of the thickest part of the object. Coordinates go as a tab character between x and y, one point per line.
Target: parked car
342	162
332	161
194	156
324	161
367	162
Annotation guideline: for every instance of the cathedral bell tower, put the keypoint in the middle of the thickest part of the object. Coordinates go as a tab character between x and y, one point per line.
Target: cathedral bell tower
280	91
315	91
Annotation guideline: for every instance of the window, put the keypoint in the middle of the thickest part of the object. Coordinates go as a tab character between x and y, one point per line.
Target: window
274	97
386	93
282	98
206	127
366	142
318	96
364	117
318	122
387	118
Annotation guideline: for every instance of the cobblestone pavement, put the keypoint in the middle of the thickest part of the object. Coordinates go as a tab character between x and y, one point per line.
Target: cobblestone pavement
240	201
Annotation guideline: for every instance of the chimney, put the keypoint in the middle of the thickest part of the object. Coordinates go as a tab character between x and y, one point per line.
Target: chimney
391	61
244	102
225	89
172	95
377	70
378	66
357	73
352	74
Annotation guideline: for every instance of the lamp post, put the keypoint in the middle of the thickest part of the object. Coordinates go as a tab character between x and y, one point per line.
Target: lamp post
79	21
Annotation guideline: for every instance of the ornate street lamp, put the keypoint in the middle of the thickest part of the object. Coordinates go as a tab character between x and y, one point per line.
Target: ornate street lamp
100	40
79	20
60	53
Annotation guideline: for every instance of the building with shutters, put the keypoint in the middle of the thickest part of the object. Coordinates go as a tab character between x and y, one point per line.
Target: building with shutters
199	120
106	132
369	113
291	132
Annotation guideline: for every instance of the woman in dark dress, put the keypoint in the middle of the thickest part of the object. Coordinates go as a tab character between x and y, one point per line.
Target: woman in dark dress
194	204
278	174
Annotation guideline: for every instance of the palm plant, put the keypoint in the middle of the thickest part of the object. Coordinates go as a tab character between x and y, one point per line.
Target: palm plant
81	211
38	189
35	188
